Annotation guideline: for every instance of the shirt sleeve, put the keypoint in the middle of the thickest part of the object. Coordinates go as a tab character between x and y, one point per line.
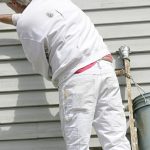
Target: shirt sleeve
35	53
15	18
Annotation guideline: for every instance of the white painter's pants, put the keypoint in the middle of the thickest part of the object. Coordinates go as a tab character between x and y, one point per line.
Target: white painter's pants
93	98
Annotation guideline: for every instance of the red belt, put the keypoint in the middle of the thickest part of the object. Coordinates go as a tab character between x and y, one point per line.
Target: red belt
107	58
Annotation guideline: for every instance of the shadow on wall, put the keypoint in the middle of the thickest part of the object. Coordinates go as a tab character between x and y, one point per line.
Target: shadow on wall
29	114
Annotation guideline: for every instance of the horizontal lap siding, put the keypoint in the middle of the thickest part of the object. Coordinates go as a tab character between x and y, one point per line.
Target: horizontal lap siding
110	4
39	144
29	105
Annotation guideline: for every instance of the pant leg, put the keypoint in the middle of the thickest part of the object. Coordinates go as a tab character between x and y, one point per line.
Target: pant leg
77	108
109	121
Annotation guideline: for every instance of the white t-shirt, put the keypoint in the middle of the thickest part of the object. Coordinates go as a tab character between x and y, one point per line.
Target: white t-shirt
65	31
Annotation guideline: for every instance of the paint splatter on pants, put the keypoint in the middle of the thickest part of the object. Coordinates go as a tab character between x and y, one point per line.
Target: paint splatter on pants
92	98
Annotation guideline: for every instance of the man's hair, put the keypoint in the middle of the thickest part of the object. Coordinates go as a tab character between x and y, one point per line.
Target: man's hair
22	2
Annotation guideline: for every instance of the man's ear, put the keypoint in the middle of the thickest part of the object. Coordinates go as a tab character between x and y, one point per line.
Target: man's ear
15	3
18	8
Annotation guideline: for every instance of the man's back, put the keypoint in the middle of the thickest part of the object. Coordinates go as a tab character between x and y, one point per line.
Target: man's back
66	31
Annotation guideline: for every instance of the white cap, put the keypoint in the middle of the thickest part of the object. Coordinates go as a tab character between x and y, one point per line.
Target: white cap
24	2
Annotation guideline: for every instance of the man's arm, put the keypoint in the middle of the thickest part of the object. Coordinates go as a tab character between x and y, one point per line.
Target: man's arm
6	18
10	18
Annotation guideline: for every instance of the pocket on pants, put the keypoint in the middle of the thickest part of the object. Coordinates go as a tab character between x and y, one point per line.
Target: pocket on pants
113	91
78	95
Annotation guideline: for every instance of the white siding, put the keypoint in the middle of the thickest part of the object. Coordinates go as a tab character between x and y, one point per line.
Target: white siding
29	113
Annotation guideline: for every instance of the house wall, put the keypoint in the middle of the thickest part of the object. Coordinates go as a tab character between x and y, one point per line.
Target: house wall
29	113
